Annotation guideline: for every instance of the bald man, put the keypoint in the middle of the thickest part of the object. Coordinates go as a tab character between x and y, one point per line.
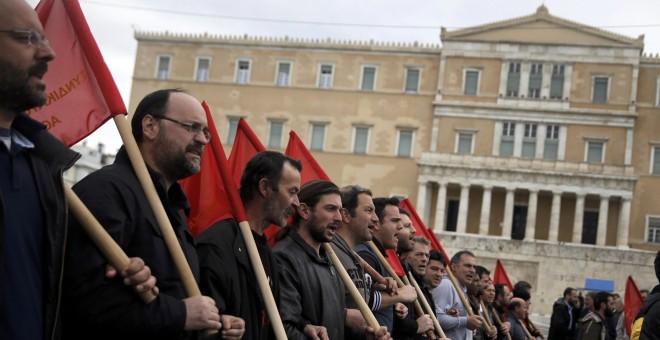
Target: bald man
516	311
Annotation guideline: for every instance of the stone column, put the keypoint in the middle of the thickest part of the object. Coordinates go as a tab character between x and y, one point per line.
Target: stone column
530	228
461	224
508	212
579	218
624	223
554	216
601	235
629	147
421	198
440	207
484	220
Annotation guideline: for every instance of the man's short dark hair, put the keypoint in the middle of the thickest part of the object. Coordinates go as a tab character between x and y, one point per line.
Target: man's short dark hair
155	104
436	255
311	192
481	270
381	202
349	197
457	257
656	263
521	290
404	212
499	290
601	297
265	164
568	291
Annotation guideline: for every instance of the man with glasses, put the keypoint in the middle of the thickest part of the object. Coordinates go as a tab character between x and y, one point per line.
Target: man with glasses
269	192
170	128
33	211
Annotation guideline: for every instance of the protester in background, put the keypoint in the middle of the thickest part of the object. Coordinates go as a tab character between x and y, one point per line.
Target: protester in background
406	234
171	131
516	310
565	316
650	311
436	269
592	326
502	299
611	321
447	298
588	305
269	193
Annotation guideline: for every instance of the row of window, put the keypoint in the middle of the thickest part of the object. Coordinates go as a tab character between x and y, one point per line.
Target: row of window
360	137
600	83
530	145
326	72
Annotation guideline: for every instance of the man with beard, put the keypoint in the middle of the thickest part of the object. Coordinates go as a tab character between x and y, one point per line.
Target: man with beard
312	296
592	326
406	235
564	316
269	192
385	236
33	211
171	131
502	297
447	299
487	298
358	216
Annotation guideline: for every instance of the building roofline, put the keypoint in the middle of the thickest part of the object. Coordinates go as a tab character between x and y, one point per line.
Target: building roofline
286	41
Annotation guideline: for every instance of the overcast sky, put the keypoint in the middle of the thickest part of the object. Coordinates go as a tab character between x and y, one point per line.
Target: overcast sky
113	22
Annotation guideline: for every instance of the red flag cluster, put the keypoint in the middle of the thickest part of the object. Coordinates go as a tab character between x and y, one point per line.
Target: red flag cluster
500	276
632	302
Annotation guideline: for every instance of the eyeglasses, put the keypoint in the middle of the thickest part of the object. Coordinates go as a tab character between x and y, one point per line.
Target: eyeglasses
195	128
30	37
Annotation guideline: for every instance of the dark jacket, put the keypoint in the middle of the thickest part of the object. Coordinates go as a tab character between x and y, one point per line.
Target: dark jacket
227	276
384	316
108	309
311	292
592	328
651	312
560	327
48	159
516	332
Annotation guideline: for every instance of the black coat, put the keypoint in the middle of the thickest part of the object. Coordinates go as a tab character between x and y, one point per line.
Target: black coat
100	308
227	276
311	292
559	321
49	159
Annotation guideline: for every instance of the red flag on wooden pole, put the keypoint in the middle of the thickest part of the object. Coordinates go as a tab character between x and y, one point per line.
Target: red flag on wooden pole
500	276
246	145
421	228
632	302
82	94
211	191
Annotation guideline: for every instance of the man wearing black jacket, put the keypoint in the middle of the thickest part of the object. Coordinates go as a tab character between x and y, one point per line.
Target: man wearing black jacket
269	192
565	315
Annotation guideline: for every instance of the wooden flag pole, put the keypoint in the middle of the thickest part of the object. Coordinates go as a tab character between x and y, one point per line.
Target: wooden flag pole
499	321
350	285
106	244
431	313
399	283
465	302
486	316
262	280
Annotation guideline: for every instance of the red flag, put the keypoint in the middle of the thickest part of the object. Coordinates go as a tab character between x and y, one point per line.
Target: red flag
632	303
500	276
311	169
82	94
211	192
421	228
393	260
246	145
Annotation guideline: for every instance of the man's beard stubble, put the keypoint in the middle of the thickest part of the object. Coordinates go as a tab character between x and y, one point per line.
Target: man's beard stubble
16	95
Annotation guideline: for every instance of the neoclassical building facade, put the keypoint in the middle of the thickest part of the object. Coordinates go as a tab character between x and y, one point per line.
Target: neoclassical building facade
535	129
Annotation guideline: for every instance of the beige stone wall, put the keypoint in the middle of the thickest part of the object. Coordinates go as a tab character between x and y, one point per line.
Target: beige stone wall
489	78
551	267
582	83
615	143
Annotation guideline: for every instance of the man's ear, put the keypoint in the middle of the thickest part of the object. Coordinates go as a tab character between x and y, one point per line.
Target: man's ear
264	187
150	127
304	211
345	216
